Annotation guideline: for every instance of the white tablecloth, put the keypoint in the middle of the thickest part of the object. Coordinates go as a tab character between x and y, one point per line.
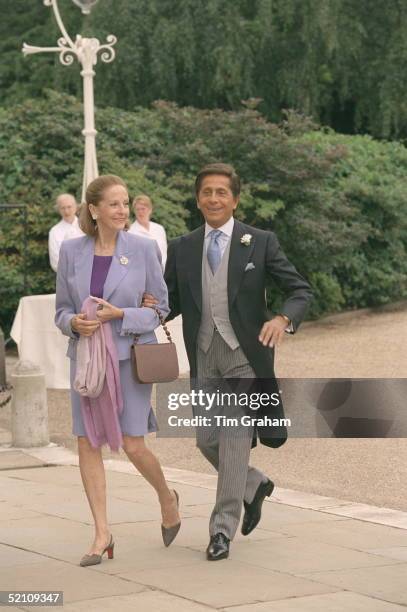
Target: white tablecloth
40	341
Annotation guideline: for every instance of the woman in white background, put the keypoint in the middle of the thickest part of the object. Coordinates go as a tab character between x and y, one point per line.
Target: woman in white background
143	209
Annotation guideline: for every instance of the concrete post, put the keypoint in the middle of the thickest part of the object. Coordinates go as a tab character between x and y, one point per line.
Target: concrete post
2	360
29	409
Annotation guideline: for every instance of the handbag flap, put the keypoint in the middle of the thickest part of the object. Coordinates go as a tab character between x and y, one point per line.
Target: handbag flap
155	362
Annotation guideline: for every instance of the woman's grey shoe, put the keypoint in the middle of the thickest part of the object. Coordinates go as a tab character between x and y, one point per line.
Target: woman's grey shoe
169	533
95	559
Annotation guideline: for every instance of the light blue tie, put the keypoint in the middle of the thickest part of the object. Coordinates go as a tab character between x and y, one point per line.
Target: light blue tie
214	253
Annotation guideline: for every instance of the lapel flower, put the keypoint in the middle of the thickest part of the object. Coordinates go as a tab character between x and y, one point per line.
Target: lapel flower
123	260
246	239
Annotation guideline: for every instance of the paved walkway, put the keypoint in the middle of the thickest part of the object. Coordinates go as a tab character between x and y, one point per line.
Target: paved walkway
359	344
308	553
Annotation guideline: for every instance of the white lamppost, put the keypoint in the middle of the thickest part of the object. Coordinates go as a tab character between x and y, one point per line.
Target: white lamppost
85	50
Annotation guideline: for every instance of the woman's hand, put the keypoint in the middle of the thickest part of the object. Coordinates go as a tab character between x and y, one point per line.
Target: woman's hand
149	301
107	312
82	326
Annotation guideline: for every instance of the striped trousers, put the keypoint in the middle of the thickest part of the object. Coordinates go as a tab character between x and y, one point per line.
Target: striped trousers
226	448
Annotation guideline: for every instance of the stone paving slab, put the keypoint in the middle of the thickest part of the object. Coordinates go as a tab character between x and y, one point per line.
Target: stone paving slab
280	516
47	535
68	475
54	475
120	511
52	575
15	459
387	582
145	554
231	584
14	557
331	602
358	535
300	555
9	511
190	497
396	552
144	601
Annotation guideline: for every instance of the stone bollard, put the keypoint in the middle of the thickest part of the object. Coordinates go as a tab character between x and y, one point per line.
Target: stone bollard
29	409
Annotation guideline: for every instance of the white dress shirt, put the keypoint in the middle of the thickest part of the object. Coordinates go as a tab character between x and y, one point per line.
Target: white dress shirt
225	236
57	234
156	232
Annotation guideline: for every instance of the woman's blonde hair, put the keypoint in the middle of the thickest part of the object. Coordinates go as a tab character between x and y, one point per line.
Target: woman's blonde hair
94	194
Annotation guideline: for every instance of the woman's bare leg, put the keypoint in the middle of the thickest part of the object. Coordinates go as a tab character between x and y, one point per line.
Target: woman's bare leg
148	465
94	481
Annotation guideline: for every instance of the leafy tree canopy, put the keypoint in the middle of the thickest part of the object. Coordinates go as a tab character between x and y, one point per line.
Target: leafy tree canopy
340	61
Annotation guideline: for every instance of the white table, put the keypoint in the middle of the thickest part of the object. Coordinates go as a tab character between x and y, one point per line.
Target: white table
40	341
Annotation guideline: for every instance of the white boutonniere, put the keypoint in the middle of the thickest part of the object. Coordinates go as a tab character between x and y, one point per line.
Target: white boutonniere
246	239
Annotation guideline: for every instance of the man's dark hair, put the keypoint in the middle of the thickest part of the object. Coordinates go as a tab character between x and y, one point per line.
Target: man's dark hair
219	168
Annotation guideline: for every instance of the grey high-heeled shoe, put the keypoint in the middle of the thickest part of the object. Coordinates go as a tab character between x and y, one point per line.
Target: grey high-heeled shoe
95	559
169	533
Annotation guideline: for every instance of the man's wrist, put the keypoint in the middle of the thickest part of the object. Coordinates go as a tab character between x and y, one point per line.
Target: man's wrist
286	319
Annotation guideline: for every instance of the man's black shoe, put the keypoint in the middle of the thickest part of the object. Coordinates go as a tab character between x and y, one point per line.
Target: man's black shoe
218	547
252	513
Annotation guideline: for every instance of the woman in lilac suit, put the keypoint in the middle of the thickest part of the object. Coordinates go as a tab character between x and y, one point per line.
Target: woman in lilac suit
117	268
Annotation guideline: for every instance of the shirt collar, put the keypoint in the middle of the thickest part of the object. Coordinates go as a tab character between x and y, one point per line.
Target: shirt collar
73	224
227	228
141	228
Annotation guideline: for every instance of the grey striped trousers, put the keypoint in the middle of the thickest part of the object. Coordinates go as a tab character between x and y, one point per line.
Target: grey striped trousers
227	449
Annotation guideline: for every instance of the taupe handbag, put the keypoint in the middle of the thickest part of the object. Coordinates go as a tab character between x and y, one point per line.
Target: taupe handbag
153	363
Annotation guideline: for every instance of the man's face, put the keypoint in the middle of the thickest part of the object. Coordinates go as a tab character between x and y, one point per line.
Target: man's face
142	211
216	200
67	209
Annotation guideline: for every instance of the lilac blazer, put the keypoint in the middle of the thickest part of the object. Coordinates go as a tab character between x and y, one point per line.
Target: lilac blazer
135	269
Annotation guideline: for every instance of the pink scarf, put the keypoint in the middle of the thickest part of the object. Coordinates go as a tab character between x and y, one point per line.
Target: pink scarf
97	380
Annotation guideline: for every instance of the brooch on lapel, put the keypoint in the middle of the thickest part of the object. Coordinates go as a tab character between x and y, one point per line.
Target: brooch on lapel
246	239
123	260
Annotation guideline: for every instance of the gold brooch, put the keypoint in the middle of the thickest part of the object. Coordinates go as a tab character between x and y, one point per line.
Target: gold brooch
123	260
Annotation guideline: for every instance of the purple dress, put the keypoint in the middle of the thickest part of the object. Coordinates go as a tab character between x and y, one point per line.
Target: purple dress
101	265
137	417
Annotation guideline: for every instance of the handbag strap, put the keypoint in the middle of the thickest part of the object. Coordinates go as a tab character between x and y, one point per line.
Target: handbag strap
162	322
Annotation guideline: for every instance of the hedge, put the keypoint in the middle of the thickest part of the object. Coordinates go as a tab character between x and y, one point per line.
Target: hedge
338	203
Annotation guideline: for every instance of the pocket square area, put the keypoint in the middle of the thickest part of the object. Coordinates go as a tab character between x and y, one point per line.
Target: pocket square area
250	266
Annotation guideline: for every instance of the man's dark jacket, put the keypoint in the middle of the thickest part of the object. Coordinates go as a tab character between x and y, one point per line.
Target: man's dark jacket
247	301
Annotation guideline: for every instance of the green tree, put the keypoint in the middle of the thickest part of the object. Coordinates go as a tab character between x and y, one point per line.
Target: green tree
339	61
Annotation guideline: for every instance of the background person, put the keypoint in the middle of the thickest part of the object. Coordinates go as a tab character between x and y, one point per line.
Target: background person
116	268
65	229
143	209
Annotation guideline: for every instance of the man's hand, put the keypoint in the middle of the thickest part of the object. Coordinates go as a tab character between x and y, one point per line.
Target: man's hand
82	326
272	332
107	312
149	300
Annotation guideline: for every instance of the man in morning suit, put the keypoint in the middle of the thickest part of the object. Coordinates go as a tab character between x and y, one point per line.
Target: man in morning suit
216	278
